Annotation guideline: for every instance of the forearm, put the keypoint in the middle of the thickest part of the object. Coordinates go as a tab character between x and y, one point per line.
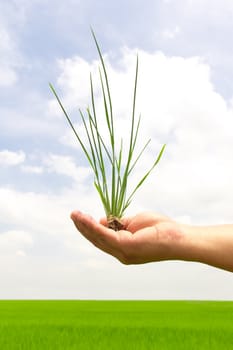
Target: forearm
212	245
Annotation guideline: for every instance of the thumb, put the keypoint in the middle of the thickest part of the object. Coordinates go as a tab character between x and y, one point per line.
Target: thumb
104	222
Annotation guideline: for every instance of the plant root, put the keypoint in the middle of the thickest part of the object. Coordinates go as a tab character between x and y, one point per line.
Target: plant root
115	223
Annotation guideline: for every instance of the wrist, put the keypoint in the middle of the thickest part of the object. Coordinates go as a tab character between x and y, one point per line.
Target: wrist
182	242
191	247
174	240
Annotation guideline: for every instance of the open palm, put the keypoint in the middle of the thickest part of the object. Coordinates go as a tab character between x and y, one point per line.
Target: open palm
146	237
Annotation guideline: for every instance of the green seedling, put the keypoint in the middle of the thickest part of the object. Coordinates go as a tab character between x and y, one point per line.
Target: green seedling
103	155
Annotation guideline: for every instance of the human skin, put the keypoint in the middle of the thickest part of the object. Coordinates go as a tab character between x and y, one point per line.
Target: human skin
149	237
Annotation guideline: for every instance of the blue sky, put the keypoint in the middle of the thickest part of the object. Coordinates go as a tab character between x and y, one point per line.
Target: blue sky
186	100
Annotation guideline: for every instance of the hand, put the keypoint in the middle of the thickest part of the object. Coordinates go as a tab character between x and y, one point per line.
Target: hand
147	237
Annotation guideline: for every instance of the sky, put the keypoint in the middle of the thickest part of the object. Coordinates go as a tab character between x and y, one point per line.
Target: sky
185	98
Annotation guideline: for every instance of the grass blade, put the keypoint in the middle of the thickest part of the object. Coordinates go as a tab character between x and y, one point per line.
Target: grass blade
147	174
72	127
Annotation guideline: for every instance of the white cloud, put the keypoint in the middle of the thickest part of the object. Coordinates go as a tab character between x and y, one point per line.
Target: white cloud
75	75
65	165
9	158
45	213
32	169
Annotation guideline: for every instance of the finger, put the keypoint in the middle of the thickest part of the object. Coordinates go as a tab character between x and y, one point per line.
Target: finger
102	237
88	226
144	219
104	221
126	221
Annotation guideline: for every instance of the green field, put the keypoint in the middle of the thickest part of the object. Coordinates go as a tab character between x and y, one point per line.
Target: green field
116	325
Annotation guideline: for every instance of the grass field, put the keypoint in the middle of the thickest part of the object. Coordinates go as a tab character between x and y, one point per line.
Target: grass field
116	325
